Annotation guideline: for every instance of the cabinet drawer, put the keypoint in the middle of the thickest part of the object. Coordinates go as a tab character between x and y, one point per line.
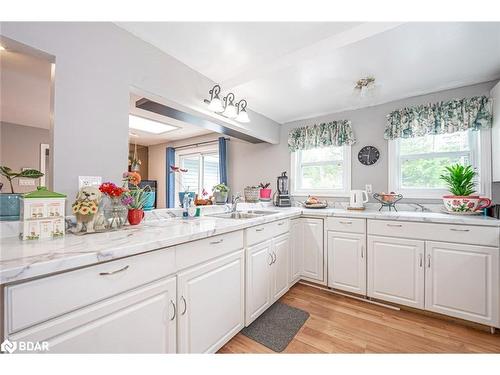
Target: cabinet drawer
469	234
39	300
192	253
266	231
343	224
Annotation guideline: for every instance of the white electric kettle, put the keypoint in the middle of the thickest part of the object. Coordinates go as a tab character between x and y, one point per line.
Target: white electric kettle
358	198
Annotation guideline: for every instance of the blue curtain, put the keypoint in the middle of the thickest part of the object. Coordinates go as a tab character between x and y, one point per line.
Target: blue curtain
170	193
223	160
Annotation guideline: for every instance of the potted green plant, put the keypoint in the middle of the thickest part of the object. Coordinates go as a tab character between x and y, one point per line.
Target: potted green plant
220	193
459	180
10	202
265	192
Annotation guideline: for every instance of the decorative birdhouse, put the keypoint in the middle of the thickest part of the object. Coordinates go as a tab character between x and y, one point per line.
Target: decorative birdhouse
42	214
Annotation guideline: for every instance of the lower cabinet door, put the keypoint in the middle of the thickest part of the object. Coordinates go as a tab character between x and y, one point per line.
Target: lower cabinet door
347	262
296	250
139	321
462	281
259	259
396	270
211	301
313	261
281	249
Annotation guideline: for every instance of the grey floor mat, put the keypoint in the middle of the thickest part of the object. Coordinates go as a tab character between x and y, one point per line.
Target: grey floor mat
277	326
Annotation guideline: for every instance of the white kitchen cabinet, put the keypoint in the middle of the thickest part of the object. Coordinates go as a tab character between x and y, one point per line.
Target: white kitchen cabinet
462	281
139	321
259	259
347	262
211	304
313	250
296	250
281	249
396	270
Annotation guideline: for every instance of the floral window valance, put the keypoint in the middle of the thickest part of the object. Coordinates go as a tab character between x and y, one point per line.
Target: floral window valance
439	118
334	133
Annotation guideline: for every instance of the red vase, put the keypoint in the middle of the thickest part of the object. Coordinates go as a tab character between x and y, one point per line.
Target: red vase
135	216
265	194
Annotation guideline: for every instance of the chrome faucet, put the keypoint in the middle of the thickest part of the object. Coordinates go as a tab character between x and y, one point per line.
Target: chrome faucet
421	206
234	202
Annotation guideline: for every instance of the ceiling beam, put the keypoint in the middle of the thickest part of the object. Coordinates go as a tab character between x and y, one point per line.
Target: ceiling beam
356	34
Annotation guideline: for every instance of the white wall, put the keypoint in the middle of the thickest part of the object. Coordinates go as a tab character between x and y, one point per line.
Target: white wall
251	164
96	66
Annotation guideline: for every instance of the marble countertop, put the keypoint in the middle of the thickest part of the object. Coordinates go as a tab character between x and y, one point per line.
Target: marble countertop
418	216
21	260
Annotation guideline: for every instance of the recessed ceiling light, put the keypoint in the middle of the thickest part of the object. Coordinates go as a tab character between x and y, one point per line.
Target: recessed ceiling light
132	134
148	126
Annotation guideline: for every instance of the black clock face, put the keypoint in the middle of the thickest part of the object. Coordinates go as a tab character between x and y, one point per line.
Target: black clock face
368	155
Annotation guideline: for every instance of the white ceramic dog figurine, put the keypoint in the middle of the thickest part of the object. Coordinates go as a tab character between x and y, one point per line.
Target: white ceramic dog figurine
86	210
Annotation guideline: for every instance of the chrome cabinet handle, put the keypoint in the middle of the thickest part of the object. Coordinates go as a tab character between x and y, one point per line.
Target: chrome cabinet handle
259	229
185	305
345	222
216	242
395	225
420	260
459	230
175	310
362	251
275	257
281	223
271	262
429	261
114	272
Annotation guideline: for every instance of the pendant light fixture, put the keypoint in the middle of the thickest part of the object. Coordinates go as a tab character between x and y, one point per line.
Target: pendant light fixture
227	107
242	111
215	102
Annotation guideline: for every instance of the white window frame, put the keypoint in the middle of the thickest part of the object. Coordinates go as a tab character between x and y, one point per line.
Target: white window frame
195	151
480	159
295	177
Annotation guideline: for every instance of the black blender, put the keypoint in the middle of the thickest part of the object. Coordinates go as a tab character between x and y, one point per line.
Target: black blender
283	198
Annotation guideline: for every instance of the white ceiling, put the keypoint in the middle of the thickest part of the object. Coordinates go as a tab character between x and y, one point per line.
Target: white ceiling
289	71
25	89
183	131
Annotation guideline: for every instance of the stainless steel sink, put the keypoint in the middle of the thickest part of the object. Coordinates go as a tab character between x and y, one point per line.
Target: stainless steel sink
243	215
261	212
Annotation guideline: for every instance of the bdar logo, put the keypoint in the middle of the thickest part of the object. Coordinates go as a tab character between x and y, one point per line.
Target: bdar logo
8	346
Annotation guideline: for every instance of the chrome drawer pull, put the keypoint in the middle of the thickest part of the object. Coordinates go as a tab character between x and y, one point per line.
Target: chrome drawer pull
459	230
175	310
395	225
281	223
429	261
259	229
345	222
114	272
420	263
216	242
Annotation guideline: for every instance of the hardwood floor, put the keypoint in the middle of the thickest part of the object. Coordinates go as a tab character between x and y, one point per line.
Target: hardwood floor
340	324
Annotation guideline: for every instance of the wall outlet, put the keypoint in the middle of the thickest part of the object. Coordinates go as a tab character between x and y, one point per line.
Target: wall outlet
26	182
368	188
89	181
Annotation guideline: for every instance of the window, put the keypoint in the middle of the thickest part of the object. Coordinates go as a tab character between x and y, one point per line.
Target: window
203	171
415	164
321	171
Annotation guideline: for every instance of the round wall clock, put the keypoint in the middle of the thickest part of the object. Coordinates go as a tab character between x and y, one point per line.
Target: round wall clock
368	155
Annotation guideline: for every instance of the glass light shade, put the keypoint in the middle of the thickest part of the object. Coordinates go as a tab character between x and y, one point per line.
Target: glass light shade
230	111
216	105
243	116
